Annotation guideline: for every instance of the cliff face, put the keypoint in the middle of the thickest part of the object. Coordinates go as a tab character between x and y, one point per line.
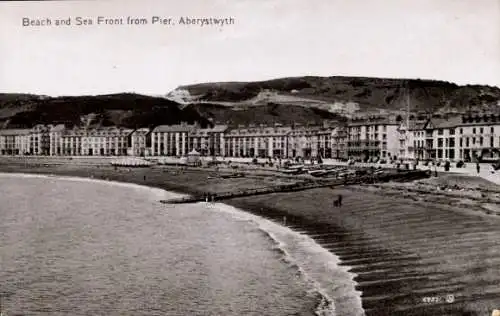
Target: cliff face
348	94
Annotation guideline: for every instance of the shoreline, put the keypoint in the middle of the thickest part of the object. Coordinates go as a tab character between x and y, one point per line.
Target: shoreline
324	301
392	273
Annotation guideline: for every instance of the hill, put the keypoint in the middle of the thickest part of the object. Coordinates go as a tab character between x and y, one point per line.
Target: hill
270	113
134	110
347	95
127	110
286	100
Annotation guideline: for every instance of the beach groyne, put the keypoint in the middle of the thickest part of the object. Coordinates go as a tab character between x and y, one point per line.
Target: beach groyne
303	185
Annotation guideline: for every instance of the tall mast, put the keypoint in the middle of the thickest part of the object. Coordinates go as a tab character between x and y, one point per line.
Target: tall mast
407	107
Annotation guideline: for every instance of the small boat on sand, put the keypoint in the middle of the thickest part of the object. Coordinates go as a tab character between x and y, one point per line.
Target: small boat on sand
292	171
234	175
318	172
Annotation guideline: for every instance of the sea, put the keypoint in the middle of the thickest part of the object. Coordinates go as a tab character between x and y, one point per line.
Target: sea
73	246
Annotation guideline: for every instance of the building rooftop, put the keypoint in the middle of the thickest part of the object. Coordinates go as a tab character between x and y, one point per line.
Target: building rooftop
112	130
173	128
57	128
15	131
219	128
373	121
143	130
414	125
462	120
448	122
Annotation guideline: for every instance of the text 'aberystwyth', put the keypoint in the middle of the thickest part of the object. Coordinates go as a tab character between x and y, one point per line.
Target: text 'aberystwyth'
128	20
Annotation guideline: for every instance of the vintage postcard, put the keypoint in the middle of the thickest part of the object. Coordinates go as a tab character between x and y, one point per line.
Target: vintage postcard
250	157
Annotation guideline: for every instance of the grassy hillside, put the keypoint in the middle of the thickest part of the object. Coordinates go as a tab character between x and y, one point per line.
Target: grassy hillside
265	114
133	110
286	100
371	94
128	110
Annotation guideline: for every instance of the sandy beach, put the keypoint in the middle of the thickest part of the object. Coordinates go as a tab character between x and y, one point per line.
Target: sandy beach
426	248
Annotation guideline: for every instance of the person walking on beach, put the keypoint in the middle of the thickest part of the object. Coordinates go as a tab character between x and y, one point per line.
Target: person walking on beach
338	202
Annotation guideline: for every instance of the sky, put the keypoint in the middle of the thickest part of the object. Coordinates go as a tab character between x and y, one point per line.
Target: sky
451	40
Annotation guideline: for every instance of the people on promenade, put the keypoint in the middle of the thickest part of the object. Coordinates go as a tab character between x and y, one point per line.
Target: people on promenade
340	199
478	168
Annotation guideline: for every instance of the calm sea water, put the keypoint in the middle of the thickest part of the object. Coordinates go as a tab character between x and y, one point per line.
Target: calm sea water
85	247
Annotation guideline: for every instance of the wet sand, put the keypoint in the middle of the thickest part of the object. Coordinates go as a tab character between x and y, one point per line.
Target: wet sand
410	251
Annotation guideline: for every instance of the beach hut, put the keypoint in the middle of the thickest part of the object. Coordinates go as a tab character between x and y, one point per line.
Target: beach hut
193	158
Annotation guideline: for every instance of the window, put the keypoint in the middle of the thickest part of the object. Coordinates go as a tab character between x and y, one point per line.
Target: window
481	130
461	142
451	154
466	141
474	130
492	130
481	141
491	141
440	132
440	142
451	142
452	131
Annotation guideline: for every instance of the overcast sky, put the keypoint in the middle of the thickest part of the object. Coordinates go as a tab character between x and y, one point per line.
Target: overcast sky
453	40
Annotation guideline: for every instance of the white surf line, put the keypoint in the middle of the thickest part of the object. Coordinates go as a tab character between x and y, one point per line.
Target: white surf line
318	265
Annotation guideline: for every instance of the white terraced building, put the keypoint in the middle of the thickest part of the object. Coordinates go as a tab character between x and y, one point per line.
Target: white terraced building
339	138
309	141
55	138
171	140
373	137
106	141
463	137
70	142
140	144
453	138
208	141
15	141
256	141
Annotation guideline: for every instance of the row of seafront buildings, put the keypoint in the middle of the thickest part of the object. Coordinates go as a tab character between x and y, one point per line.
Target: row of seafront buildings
457	137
